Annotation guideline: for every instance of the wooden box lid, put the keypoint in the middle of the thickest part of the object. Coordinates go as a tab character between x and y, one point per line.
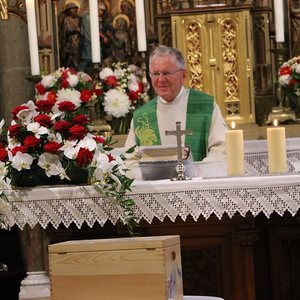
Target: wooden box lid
153	242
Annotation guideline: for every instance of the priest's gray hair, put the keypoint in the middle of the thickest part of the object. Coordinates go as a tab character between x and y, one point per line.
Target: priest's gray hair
162	50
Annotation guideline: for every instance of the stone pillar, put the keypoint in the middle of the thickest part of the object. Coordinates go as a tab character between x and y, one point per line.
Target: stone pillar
37	283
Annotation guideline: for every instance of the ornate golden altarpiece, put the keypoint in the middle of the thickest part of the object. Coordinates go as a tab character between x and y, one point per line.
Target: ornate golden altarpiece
219	54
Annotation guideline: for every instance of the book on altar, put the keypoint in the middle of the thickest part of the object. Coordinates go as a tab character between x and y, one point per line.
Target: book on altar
159	162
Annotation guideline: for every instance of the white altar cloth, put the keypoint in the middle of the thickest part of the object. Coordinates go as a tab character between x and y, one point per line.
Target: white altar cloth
160	199
256	192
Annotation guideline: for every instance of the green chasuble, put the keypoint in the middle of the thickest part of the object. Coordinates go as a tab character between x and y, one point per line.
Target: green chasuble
199	115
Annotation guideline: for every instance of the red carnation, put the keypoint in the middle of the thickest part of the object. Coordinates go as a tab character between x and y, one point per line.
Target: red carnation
62	126
43	120
44	105
52	147
17	149
64	74
133	95
85	96
141	87
286	70
292	83
14	130
98	92
84	157
40	89
81	120
64	84
111	80
99	139
31	141
77	131
3	154
51	96
66	106
17	109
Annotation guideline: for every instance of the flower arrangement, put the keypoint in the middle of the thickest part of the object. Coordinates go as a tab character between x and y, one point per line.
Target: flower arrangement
289	76
121	93
48	141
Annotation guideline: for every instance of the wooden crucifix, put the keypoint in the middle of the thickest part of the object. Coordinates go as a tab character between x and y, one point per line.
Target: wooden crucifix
178	133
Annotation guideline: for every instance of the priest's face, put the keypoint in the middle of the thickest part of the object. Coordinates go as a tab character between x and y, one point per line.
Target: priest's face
167	78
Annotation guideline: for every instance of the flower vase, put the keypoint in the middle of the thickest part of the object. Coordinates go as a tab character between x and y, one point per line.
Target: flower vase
36	176
121	125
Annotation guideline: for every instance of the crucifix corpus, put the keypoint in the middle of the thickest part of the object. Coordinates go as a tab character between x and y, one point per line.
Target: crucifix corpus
180	168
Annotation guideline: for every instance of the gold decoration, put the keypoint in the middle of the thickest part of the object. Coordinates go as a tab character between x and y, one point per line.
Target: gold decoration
4	10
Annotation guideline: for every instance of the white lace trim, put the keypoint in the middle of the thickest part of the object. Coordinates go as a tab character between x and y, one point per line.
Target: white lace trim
256	192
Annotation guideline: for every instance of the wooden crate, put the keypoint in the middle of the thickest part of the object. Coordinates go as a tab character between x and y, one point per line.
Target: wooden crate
110	269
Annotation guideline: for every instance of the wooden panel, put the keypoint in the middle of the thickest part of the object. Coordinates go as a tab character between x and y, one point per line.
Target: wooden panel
285	262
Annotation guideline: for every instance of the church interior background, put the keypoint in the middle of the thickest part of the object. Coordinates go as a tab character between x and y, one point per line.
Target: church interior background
232	53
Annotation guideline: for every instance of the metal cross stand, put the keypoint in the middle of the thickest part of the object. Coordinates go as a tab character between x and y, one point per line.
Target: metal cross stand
180	168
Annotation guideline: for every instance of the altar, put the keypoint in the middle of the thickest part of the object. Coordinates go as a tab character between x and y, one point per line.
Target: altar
222	221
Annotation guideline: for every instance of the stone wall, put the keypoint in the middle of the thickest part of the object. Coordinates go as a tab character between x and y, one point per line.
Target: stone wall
15	89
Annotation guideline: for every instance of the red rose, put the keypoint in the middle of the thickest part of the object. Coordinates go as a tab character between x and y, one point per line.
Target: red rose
81	120
110	157
40	89
62	126
14	130
3	154
2	145
77	132
111	80
17	109
85	96
286	70
133	95
52	147
17	149
66	106
84	157
51	97
43	120
31	141
44	105
99	139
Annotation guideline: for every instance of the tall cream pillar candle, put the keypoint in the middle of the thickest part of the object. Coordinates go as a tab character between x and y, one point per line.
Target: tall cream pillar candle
95	38
235	151
279	20
277	149
32	36
140	25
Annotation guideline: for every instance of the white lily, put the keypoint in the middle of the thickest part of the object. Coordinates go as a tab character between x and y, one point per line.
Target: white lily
27	115
21	161
55	137
3	169
37	129
51	164
87	143
70	151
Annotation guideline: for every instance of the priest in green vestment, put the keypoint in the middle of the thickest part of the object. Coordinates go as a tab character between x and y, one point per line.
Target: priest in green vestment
174	103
